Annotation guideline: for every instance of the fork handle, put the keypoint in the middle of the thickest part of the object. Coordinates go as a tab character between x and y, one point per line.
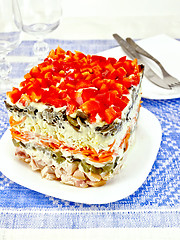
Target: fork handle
144	53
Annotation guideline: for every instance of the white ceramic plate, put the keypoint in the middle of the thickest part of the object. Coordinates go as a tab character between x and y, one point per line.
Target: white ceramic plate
140	159
167	51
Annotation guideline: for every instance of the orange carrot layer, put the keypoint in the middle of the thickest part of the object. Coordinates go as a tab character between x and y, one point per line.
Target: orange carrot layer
14	123
92	154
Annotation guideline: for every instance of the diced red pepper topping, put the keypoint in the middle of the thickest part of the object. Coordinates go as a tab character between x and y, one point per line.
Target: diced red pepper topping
95	84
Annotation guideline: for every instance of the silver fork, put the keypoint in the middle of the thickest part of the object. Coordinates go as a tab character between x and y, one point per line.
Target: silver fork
170	80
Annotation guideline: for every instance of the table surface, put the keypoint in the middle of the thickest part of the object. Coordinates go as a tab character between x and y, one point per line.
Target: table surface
156	204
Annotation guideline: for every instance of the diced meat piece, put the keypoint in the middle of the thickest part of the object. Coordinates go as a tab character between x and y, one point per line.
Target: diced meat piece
79	175
48	173
70	168
93	176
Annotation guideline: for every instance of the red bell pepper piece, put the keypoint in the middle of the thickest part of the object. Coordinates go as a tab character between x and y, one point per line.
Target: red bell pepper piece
59	50
91	106
71	106
88	93
112	60
35	72
27	76
120	103
125	99
14	95
110	115
98	58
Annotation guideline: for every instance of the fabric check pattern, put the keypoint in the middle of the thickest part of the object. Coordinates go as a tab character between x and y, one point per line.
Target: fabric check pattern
155	204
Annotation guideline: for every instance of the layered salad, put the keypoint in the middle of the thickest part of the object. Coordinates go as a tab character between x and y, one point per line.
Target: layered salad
73	117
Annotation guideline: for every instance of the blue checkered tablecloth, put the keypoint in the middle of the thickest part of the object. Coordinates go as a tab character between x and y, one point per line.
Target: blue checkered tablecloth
155	204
